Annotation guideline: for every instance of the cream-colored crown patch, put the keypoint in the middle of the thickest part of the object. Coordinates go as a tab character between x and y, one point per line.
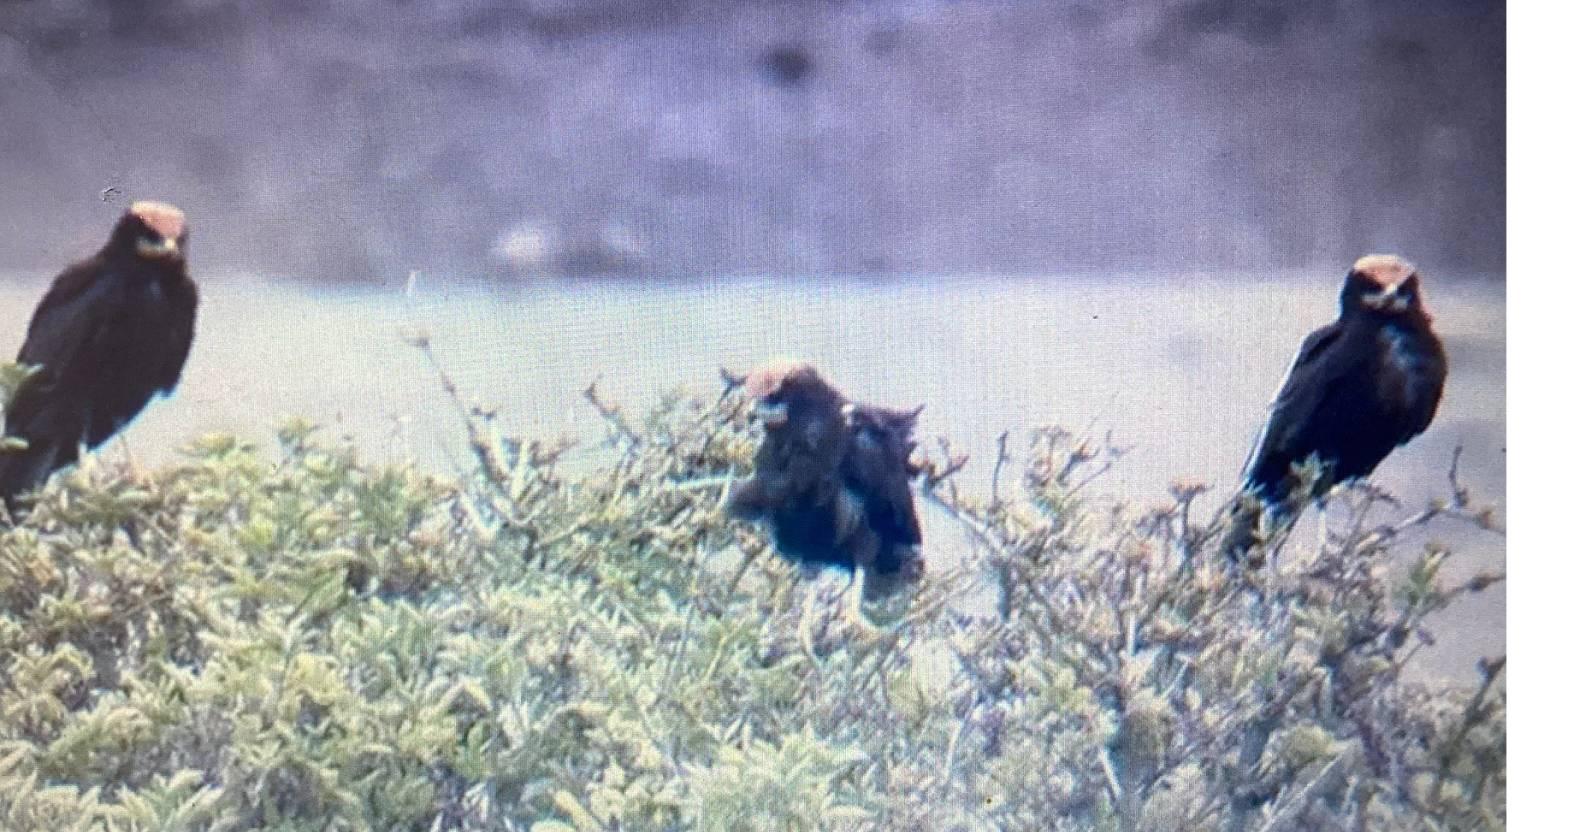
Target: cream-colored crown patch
162	217
764	381
1384	269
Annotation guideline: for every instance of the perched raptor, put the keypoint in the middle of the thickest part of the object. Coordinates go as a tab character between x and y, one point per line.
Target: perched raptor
112	331
831	478
1359	388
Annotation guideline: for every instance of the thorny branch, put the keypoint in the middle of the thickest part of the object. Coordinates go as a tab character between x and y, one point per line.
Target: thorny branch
1102	614
613	414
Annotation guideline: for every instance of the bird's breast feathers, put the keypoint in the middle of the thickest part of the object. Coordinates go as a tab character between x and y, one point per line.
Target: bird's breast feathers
1409	361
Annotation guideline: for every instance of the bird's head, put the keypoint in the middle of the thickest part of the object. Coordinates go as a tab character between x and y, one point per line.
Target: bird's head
153	231
893	425
1385	285
782	386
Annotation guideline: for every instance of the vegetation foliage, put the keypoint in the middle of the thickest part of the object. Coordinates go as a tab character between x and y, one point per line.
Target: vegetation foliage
561	640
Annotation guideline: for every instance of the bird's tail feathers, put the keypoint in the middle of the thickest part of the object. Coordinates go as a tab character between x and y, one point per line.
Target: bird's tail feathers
25	469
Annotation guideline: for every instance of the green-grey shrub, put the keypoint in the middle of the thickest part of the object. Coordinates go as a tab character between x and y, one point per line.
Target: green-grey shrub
577	639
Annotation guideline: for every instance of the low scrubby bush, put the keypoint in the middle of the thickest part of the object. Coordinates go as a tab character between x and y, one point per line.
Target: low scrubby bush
576	638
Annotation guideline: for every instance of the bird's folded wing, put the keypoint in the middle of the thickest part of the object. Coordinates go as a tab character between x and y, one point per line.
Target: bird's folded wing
183	327
70	316
1301	390
879	477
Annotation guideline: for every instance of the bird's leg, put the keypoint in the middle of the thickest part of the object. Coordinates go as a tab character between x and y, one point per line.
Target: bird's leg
852	592
806	633
1280	532
1322	502
854	607
139	478
134	470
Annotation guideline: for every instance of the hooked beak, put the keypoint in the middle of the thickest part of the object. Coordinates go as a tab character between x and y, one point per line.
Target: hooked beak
772	415
163	249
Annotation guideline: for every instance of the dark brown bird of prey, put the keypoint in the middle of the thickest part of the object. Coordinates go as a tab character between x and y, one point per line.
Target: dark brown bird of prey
1358	388
112	331
831	479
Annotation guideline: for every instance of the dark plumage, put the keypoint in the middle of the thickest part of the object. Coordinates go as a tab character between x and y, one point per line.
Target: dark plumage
112	331
1358	388
831	478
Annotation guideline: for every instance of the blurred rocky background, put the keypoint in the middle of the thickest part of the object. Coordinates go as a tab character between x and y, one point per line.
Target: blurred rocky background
355	140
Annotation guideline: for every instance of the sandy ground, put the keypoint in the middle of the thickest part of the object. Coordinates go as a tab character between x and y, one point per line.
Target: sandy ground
1178	368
